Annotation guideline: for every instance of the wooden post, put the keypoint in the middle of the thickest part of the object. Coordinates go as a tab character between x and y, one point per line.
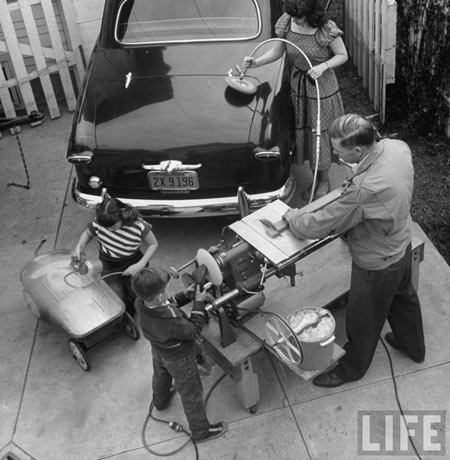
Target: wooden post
39	58
391	40
60	56
71	26
377	56
365	48
371	48
16	57
5	97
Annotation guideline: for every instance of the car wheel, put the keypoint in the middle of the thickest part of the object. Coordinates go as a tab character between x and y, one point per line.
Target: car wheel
79	354
32	305
129	326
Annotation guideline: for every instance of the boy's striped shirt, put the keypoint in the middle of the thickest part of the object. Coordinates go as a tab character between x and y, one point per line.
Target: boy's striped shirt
123	242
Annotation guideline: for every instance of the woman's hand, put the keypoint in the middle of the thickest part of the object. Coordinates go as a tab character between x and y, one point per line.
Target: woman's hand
249	62
316	71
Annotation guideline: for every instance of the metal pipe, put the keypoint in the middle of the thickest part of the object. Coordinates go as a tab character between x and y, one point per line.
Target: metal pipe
223	299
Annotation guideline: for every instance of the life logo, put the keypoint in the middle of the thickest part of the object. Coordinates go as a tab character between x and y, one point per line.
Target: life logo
391	433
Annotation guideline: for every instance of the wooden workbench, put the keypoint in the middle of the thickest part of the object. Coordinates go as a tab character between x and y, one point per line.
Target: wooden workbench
323	277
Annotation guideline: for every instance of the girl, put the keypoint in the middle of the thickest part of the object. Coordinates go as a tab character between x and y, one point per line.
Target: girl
121	234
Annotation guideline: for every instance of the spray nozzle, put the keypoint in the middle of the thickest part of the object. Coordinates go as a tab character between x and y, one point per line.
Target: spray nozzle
79	264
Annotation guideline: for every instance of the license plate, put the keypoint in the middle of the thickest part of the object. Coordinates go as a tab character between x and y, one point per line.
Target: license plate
177	181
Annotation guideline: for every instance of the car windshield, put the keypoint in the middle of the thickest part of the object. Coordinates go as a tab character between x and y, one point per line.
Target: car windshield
162	21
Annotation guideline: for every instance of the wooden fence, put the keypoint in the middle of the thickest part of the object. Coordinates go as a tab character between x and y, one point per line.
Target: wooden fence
38	38
370	35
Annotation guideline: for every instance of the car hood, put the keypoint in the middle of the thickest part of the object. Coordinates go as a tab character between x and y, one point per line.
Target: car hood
167	112
162	98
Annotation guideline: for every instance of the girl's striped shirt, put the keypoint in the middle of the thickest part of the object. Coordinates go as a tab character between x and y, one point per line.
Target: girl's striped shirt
123	242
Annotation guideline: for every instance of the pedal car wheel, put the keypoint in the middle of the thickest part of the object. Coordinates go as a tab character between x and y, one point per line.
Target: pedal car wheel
31	304
129	326
79	354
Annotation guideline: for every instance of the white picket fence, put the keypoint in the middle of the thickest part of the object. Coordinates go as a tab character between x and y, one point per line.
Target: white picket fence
38	38
370	36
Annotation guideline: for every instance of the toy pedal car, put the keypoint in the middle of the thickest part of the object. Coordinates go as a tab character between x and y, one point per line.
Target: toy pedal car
81	304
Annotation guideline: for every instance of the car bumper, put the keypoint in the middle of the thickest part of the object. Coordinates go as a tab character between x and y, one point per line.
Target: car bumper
191	208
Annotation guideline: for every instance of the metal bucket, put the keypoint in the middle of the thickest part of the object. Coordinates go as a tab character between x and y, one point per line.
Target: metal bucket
317	341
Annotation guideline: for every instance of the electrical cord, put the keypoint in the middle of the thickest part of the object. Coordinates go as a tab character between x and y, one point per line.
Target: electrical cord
397	398
172	424
296	343
92	282
175	426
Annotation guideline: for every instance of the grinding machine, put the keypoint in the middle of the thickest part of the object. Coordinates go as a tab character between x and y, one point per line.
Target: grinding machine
234	271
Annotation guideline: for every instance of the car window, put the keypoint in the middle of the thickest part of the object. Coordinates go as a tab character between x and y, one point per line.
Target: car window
156	21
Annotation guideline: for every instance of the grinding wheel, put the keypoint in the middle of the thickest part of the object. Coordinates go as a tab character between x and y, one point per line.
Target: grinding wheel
243	85
213	273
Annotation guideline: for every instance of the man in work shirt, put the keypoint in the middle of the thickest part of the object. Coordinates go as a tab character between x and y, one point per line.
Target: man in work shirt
374	215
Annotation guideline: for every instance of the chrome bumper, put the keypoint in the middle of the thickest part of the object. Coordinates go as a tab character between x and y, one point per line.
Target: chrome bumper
190	208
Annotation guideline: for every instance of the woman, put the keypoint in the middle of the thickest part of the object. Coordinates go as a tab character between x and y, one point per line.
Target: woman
306	25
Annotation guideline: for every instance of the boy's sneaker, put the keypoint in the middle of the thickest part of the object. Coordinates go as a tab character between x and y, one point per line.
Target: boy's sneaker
215	431
166	403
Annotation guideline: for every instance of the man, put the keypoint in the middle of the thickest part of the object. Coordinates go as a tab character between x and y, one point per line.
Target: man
374	215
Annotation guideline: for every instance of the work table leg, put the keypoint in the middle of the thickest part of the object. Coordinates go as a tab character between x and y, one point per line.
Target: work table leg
248	386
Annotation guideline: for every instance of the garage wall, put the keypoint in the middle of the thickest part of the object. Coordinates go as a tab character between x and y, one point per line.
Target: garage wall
88	14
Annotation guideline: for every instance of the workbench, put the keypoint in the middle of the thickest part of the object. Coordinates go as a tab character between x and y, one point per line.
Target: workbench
323	277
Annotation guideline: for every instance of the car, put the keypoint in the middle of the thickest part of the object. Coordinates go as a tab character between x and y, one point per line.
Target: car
156	124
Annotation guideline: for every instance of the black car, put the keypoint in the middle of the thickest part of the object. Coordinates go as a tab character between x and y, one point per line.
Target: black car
157	125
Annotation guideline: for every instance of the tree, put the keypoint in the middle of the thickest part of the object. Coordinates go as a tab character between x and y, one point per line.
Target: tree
423	50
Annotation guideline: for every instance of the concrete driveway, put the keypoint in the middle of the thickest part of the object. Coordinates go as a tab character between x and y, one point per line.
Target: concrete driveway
50	409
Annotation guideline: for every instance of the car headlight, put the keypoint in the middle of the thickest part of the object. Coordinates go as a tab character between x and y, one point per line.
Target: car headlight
95	182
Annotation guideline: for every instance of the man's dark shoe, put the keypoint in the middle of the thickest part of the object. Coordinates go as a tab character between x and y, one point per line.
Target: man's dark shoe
166	403
329	380
215	431
390	339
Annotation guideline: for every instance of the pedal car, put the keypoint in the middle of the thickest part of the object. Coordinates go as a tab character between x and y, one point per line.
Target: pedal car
76	299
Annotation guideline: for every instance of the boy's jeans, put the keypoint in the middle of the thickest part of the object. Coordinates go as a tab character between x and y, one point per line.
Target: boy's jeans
374	297
184	373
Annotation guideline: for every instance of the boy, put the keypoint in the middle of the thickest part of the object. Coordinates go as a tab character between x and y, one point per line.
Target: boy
172	336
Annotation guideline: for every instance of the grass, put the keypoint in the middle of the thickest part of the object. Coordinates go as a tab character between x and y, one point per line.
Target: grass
431	159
